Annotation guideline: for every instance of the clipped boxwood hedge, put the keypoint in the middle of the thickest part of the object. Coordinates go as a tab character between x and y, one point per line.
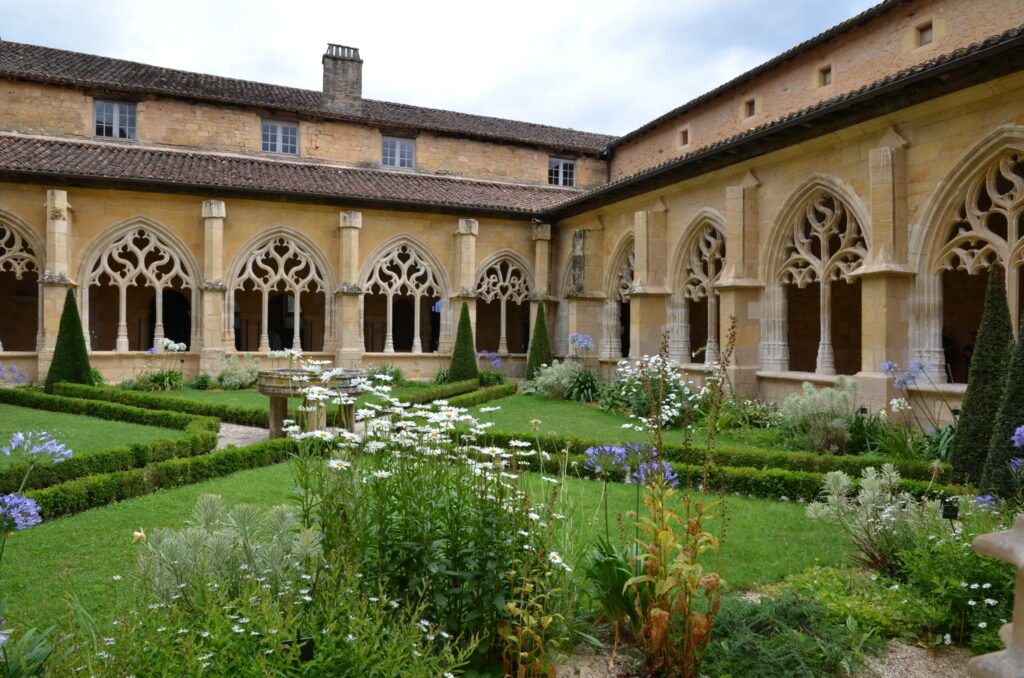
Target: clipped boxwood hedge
244	416
441	392
200	438
483	395
93	491
732	457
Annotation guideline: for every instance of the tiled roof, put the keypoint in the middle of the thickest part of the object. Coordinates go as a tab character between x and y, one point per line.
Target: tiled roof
788	55
125	164
63	67
1007	53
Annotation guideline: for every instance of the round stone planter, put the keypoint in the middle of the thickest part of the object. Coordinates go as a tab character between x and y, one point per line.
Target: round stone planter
286	382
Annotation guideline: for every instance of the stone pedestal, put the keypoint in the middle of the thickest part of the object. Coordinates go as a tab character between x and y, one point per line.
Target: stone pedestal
1007	546
279	385
742	301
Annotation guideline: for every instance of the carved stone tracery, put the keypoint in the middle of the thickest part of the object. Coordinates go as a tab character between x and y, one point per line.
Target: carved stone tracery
17	257
280	265
826	245
140	257
704	263
403	272
504	282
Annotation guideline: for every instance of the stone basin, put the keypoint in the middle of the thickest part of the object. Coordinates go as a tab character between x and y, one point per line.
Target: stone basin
280	384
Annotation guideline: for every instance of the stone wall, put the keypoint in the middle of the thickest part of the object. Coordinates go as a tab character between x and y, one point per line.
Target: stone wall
33	108
885	45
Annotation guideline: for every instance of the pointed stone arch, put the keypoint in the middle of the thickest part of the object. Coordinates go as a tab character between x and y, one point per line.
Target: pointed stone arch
281	263
619	279
818	237
504	285
22	254
974	217
561	333
696	265
139	252
403	270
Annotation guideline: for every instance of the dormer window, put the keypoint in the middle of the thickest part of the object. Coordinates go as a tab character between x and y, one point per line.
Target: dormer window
561	172
397	152
280	137
114	119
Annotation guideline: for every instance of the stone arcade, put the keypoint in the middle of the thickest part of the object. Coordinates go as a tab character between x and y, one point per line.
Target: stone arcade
842	221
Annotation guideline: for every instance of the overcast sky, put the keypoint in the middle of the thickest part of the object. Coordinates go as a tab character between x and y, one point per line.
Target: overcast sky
597	65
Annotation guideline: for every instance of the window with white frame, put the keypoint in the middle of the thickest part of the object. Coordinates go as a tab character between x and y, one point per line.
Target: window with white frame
561	172
114	119
280	137
397	152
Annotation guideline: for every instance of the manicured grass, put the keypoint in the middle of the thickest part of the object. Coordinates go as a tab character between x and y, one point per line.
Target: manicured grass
567	417
764	540
81	434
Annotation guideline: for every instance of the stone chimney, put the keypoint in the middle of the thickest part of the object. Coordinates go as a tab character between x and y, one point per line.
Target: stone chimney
343	79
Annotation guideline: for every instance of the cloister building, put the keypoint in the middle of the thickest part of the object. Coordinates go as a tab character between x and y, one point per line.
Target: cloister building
839	204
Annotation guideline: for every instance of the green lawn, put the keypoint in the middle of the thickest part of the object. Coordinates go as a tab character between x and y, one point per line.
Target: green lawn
81	434
568	417
764	540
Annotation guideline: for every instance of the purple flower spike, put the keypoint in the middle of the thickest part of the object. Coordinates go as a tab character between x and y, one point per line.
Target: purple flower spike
890	367
18	513
1017	464
985	501
1018	437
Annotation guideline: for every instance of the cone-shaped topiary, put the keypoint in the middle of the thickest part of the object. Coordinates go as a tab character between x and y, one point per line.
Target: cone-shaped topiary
540	347
464	355
70	357
986	382
998	478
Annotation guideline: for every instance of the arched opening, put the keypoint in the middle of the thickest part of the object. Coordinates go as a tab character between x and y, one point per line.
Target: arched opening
698	314
135	291
279	298
624	327
616	322
401	304
502	309
19	282
694	310
822	294
963	300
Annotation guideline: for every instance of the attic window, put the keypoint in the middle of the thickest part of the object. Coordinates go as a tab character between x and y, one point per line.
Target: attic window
825	76
684	136
114	119
749	108
925	34
561	172
397	152
280	137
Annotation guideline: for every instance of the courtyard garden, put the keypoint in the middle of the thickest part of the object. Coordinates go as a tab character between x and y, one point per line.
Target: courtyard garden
477	525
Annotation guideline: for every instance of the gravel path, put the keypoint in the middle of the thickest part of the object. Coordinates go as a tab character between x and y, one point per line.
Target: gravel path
233	434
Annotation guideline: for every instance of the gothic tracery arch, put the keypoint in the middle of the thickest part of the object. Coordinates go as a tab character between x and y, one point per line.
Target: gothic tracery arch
403	271
701	259
20	261
505	281
615	318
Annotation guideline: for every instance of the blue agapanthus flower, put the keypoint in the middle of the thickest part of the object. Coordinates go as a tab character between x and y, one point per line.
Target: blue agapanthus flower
36	446
1016	464
1018	437
583	342
605	460
657	469
890	367
18	513
985	501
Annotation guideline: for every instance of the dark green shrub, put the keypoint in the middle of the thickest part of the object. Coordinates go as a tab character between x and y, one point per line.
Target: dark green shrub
70	357
492	378
245	416
441	392
540	345
463	364
200	382
97	377
583	386
997	477
986	382
791	635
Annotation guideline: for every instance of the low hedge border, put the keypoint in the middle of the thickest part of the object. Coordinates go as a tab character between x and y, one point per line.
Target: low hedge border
766	483
200	438
483	395
732	457
440	392
102	489
244	416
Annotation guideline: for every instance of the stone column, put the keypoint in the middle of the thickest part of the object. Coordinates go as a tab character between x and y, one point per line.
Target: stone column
584	297
740	289
541	277
346	299
215	319
465	269
56	278
649	298
885	276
